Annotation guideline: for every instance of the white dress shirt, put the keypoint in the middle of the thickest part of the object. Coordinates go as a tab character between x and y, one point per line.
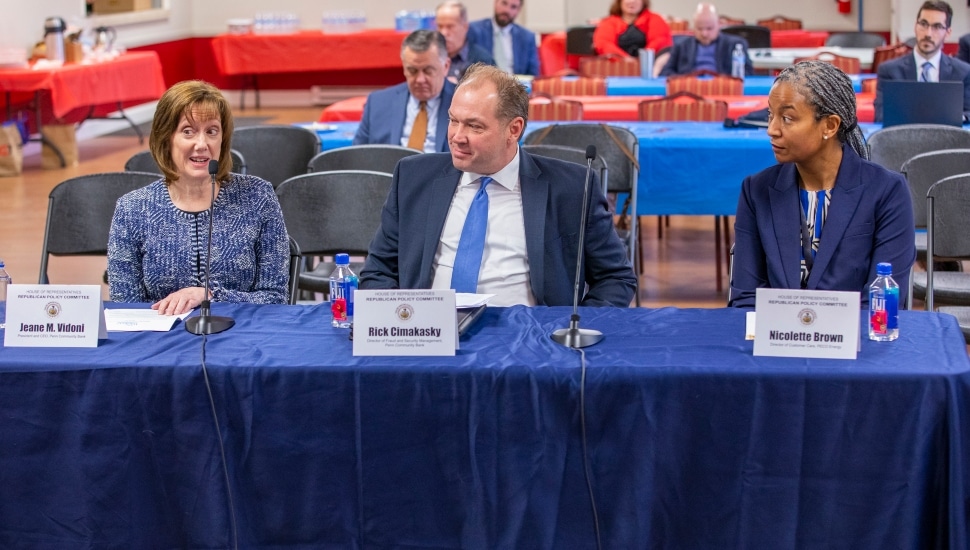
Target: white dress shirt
934	70
412	113
505	261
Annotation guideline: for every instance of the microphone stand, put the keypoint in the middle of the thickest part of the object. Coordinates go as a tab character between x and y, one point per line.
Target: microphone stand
205	323
575	337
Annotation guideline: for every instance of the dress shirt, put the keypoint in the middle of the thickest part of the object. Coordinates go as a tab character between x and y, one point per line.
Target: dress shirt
934	70
412	112
706	57
505	262
504	34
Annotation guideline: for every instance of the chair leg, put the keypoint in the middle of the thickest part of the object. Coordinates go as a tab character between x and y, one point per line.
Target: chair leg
660	227
719	284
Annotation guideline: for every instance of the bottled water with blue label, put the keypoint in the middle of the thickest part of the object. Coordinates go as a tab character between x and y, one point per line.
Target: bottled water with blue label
884	305
343	284
737	62
4	283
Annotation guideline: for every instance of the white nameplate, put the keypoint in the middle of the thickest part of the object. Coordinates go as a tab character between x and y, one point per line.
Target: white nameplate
405	322
806	323
54	316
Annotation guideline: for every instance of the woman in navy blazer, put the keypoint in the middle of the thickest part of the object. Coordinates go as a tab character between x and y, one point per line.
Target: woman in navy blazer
825	192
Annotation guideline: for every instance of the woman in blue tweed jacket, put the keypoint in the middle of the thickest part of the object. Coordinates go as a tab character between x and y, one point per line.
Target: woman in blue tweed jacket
157	246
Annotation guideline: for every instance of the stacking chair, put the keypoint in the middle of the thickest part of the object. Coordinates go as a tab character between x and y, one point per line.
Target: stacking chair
848	65
683	106
705	83
542	107
728	21
855	40
676	23
276	152
891	147
379	158
947	220
570	154
869	85
620	148
569	85
922	171
884	53
579	40
756	35
609	65
780	23
143	161
296	260
79	213
327	213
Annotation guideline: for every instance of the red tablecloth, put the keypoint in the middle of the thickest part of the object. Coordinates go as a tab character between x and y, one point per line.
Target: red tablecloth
604	108
798	38
134	76
307	51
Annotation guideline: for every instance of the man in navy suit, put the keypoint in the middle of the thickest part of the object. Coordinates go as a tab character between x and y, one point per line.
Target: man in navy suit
534	205
708	49
389	114
927	63
512	45
451	20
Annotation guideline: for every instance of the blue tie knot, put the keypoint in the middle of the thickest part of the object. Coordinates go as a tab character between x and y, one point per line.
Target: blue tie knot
925	74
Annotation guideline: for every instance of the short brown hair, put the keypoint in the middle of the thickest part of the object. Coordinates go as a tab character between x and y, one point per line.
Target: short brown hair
513	99
181	100
616	11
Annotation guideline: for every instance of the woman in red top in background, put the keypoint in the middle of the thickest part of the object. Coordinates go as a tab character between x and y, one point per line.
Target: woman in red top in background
630	27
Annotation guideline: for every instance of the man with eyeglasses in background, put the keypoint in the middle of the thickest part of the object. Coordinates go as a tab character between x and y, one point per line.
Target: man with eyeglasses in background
927	63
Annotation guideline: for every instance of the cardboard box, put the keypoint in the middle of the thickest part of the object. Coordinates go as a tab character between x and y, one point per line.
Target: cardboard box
116	6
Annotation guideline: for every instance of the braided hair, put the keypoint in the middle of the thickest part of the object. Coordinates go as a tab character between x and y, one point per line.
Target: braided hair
829	92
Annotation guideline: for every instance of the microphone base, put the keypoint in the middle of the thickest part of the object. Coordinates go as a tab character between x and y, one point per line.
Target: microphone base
208	324
577	337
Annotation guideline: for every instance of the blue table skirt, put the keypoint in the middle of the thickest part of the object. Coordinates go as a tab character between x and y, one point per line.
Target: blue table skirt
693	442
690	168
753	85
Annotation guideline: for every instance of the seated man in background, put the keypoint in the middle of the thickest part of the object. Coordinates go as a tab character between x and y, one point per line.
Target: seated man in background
927	63
708	49
491	218
451	19
512	46
963	49
414	113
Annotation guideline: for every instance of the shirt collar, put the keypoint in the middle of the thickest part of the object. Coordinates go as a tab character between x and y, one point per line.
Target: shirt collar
507	177
935	60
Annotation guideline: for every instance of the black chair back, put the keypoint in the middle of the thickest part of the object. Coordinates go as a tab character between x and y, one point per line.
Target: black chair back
756	35
855	40
378	158
276	152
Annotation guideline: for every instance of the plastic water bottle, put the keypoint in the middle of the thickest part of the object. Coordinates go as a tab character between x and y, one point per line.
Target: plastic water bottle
4	282
884	305
737	62
343	284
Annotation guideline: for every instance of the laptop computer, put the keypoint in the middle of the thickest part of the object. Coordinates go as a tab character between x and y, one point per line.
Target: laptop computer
910	102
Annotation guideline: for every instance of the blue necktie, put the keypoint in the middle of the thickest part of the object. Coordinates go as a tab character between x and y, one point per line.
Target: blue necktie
925	75
468	258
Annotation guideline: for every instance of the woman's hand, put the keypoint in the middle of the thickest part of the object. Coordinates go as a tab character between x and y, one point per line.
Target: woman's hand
180	301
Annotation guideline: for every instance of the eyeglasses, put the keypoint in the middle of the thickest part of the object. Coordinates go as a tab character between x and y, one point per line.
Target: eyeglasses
936	27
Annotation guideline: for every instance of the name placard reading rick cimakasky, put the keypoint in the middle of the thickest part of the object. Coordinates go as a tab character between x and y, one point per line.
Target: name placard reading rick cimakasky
405	322
806	323
54	316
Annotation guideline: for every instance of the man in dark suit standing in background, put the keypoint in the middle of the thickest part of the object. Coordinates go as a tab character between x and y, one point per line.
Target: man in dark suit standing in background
451	19
512	45
491	218
927	63
414	113
708	49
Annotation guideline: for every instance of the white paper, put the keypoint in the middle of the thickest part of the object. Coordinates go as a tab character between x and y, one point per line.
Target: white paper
468	299
135	320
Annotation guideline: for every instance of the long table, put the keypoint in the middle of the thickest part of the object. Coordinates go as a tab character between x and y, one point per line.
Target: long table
753	85
692	441
779	58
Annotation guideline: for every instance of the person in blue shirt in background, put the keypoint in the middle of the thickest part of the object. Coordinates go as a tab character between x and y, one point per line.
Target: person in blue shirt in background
512	45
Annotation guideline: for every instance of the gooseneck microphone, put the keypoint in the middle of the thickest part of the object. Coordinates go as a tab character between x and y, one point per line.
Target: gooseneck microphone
575	337
205	323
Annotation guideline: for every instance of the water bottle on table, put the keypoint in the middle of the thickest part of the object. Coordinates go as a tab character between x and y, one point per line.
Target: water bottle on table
4	283
884	305
343	284
737	62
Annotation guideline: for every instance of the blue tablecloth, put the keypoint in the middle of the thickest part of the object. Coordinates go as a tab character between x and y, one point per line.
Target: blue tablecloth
753	85
690	168
692	441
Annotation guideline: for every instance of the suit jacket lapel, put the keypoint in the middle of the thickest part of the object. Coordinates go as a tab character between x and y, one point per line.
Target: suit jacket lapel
442	191
845	199
400	106
946	68
783	197
535	197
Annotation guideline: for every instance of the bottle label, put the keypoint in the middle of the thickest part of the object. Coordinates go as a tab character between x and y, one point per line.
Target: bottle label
348	287
338	307
884	311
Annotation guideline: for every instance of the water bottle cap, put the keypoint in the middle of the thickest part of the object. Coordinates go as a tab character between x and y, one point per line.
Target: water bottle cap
342	259
884	268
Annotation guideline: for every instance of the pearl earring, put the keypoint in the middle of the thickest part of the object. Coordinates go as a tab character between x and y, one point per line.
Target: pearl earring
825	137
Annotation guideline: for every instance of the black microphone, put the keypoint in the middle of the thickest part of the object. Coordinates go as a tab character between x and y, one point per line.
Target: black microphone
575	337
206	323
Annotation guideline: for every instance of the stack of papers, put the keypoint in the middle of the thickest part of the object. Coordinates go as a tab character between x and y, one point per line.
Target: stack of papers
134	320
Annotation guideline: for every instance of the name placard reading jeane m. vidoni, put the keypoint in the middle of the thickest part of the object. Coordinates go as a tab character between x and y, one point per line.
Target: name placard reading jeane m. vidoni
806	323
66	316
405	322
